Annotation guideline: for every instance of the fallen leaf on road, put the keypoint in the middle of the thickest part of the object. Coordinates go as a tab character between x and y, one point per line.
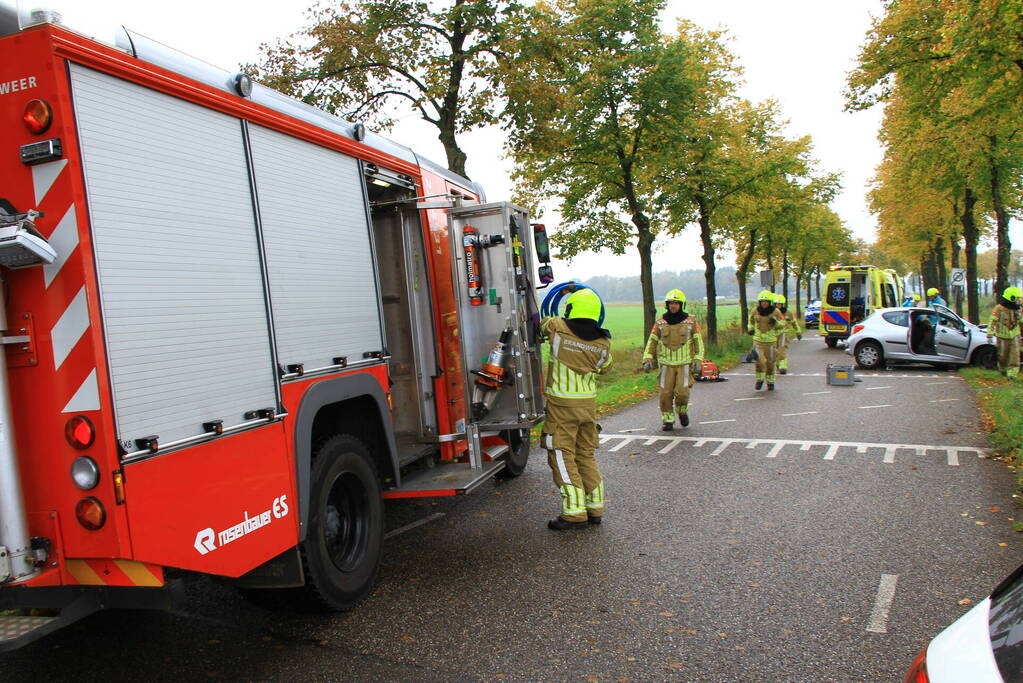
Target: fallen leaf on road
592	678
980	523
846	618
677	665
323	643
722	635
1004	545
965	601
995	508
630	659
408	639
667	614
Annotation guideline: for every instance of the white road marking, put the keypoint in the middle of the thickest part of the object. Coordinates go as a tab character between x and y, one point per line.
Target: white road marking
832	447
651	441
811	412
637	429
815	393
714	422
859	374
877	388
878	622
408	527
669	447
929	384
944	400
755	398
886	405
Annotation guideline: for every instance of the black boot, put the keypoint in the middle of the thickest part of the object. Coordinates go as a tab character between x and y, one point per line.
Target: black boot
783	371
593	520
760	384
667	426
560	524
770	386
683	419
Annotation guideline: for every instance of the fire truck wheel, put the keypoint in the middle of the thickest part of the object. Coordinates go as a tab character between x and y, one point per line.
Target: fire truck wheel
831	342
341	553
518	453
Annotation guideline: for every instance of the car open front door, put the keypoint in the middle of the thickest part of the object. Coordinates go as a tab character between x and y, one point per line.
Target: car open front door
952	337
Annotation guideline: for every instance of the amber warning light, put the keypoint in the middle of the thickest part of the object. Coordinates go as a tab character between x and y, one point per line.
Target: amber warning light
38	116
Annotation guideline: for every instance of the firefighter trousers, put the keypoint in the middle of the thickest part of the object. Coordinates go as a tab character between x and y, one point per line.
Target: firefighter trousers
766	358
675	382
783	351
1008	356
570	438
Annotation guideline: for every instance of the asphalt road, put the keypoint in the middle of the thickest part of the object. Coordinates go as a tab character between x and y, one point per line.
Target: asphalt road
814	533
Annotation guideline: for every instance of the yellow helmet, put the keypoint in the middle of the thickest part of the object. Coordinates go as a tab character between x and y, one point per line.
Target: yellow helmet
676	295
932	291
779	299
765	295
916	297
1011	293
583	304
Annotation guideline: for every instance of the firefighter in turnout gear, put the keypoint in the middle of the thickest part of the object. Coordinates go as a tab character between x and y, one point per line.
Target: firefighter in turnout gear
579	351
676	341
1004	330
765	324
791	329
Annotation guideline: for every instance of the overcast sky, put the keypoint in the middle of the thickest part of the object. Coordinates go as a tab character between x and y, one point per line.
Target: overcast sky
795	51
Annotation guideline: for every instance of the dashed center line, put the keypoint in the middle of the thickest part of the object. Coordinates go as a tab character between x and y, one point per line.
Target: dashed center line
929	384
886	405
944	400
815	393
876	388
714	422
755	398
885	595
809	412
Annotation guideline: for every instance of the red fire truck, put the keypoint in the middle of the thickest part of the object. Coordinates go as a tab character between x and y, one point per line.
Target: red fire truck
235	324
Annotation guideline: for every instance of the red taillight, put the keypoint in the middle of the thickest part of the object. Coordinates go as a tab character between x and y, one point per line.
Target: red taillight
90	513
38	116
918	669
857	328
79	432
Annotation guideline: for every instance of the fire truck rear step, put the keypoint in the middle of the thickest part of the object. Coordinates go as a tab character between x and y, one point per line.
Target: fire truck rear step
445	480
19	630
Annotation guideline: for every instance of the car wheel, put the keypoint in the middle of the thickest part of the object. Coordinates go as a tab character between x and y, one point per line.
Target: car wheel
869	355
832	342
518	453
344	541
986	357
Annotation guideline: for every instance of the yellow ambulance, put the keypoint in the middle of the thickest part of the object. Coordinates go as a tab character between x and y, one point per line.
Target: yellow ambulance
851	293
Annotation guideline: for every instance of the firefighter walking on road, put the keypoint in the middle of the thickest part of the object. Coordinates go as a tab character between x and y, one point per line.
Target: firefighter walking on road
676	342
1004	330
791	329
765	324
579	350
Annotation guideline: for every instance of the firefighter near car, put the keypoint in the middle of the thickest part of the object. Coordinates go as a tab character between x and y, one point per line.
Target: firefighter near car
677	345
286	352
579	351
1004	331
764	325
791	329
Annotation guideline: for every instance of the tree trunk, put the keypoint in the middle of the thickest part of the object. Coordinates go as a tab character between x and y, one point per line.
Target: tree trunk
747	259
1002	223
941	267
971	236
817	290
645	245
456	157
785	275
708	269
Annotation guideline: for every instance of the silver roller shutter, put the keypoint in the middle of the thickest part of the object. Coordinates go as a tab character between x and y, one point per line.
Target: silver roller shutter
317	239
181	286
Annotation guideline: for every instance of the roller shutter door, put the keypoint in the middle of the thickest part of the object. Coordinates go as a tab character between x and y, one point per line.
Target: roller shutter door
317	238
181	285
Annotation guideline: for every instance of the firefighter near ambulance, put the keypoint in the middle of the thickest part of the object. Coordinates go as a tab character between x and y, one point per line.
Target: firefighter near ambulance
676	344
1004	331
791	329
765	324
579	351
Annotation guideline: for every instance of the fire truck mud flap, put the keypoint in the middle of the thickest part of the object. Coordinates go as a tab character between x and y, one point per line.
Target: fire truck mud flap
55	607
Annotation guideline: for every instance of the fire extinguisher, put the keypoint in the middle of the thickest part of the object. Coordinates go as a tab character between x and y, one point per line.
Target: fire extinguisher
490	377
470	242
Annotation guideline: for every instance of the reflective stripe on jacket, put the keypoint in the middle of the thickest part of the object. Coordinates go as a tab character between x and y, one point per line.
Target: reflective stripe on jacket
678	344
766	328
573	363
1004	323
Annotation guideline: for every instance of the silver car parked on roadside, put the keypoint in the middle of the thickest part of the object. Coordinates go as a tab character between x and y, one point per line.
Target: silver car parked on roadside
933	335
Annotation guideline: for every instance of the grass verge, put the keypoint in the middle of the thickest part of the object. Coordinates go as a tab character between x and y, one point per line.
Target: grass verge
999	400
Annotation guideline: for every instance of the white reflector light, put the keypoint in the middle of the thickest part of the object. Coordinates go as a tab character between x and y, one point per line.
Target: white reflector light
85	473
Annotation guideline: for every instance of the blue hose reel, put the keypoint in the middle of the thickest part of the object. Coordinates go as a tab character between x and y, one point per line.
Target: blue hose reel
550	304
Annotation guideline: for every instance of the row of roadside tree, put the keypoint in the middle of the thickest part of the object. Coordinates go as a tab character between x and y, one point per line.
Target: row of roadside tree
630	132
